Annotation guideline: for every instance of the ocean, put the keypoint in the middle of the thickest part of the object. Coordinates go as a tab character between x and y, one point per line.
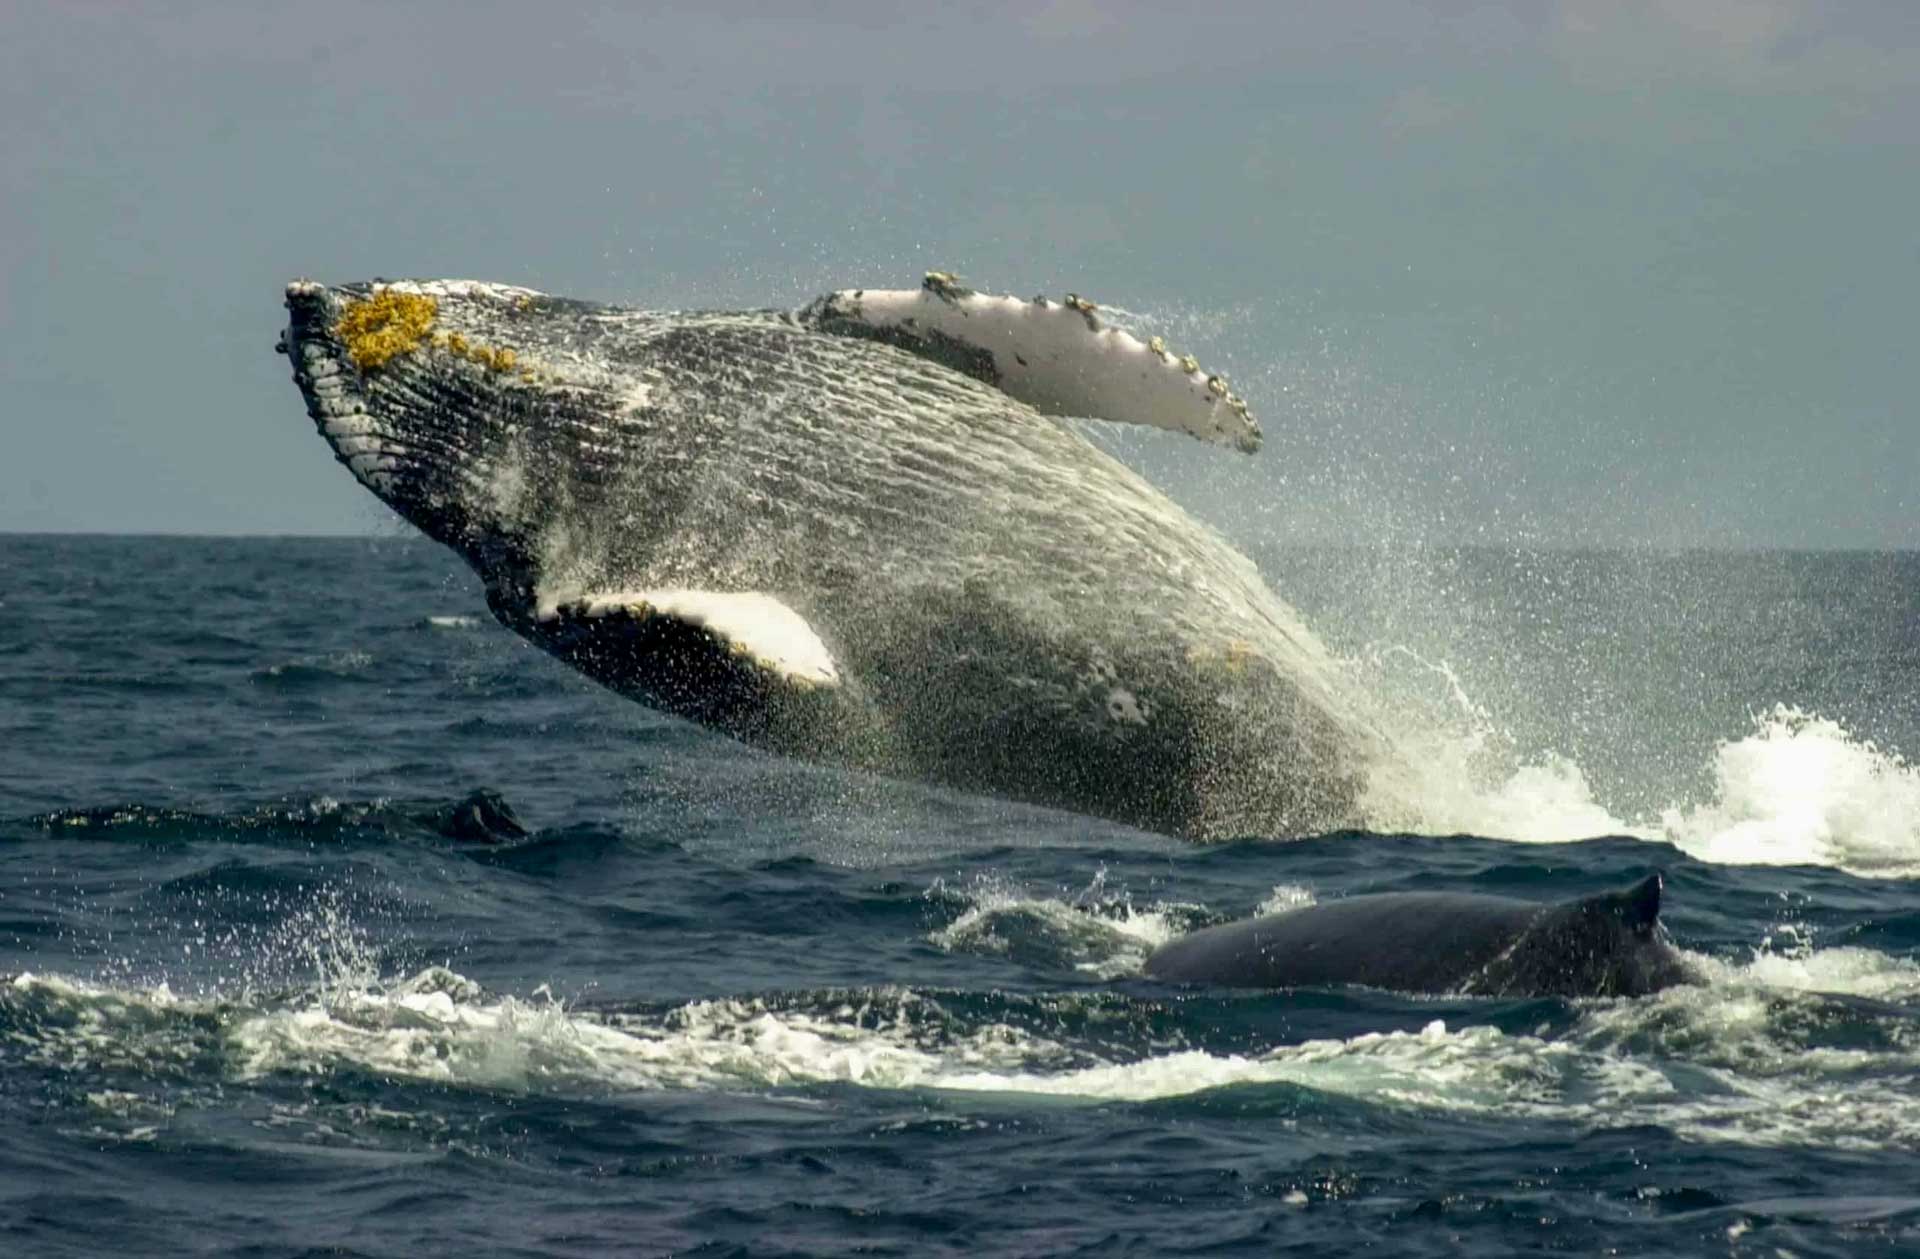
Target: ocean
335	919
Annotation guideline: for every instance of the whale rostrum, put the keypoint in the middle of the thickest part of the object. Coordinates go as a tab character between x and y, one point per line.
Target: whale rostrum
866	533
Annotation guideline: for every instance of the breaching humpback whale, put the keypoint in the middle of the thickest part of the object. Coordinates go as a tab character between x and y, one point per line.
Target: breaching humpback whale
863	533
1442	942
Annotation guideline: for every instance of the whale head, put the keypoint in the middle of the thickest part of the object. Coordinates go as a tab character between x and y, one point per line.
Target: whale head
458	404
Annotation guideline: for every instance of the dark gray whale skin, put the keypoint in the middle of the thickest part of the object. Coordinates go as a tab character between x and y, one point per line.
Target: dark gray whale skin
1610	945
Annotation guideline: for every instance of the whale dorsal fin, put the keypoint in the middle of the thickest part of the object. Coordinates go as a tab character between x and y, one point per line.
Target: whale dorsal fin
751	627
1057	357
1638	906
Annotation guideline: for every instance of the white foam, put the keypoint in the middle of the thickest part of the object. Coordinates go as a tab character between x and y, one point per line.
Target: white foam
1547	802
1432	1068
1846	970
432	1028
1801	789
1740	1060
1102	938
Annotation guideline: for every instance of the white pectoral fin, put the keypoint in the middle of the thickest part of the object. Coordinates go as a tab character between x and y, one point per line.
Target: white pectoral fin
1056	357
756	627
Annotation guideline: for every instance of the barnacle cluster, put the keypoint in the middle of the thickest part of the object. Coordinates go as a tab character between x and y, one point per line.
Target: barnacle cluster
1216	385
382	327
492	358
378	329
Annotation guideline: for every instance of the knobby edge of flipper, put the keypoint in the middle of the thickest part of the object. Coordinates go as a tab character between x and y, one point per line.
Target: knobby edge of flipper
1060	358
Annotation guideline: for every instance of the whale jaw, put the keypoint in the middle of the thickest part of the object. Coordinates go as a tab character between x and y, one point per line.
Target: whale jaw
412	407
332	386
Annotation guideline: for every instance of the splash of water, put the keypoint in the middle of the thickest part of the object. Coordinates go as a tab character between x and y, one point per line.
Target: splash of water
1799	789
1094	930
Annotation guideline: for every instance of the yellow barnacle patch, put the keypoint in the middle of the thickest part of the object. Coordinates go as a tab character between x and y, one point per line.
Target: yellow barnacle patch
382	327
489	357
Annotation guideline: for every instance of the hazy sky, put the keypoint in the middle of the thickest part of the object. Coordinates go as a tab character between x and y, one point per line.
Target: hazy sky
1586	272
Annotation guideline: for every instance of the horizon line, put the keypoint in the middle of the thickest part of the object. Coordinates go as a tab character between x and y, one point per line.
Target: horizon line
1615	547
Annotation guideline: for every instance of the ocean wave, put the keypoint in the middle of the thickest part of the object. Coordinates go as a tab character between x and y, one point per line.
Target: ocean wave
1749	1060
483	815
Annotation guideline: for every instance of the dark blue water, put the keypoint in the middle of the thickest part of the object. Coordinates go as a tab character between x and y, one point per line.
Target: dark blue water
269	990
